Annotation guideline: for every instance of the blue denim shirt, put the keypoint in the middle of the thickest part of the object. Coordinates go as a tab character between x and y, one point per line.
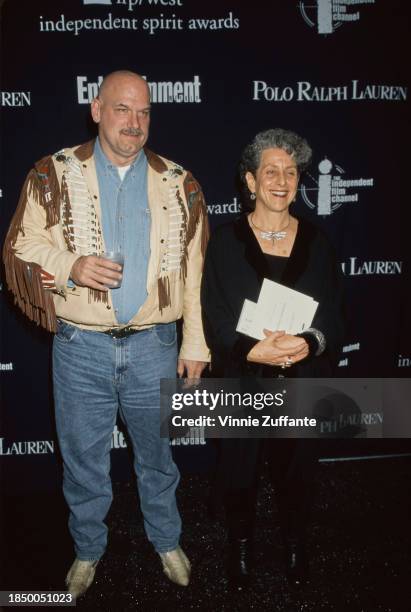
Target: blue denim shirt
126	228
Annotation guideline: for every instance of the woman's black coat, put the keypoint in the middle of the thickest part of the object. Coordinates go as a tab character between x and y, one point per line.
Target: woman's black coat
234	271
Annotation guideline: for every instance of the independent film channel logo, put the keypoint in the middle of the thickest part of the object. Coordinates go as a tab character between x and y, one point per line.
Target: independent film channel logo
329	190
326	16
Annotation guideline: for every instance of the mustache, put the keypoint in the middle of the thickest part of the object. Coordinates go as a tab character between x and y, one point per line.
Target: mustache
132	132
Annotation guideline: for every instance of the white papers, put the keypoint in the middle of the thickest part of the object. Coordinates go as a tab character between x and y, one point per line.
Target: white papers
246	320
278	308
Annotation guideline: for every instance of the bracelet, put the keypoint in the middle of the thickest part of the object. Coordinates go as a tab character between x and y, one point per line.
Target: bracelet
319	336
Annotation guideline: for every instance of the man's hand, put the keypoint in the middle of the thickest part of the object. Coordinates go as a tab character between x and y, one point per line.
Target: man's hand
194	369
95	272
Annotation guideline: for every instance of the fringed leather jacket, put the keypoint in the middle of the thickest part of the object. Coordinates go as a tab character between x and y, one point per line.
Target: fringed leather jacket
58	219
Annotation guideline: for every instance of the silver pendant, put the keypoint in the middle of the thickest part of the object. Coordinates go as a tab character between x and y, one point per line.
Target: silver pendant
273	236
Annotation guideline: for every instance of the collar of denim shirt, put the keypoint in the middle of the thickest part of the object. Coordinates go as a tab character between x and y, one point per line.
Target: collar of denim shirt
108	167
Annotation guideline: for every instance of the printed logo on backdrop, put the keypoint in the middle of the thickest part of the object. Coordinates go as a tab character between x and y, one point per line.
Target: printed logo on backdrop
226	208
165	92
6	367
305	91
348	348
354	266
26	447
326	16
193	437
132	3
158	22
15	98
404	362
328	191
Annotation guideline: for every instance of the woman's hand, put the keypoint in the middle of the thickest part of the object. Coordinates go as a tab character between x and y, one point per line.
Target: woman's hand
279	349
296	347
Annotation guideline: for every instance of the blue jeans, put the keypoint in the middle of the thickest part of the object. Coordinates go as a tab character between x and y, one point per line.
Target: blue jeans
94	376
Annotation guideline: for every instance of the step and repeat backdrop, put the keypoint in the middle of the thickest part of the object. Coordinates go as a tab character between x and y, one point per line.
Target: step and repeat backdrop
334	71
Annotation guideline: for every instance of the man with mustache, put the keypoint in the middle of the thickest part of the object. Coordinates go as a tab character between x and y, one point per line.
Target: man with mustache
115	330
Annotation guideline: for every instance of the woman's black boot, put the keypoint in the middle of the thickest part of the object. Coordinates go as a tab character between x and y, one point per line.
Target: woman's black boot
296	563
240	510
240	562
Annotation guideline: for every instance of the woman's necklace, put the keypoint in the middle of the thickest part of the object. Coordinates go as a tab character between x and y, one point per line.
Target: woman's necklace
268	234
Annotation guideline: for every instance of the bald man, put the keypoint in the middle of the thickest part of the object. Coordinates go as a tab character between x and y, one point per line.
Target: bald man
114	316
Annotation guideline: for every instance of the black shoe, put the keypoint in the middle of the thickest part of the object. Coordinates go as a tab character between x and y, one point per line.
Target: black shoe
240	563
296	563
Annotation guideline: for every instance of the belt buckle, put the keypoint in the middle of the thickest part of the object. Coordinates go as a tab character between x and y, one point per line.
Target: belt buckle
123	332
120	333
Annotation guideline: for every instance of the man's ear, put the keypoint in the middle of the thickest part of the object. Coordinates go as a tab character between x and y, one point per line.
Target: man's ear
95	110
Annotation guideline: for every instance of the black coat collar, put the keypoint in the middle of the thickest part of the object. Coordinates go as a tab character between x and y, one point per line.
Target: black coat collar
297	262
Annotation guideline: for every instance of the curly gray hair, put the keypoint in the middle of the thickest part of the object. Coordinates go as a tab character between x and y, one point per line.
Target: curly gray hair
296	146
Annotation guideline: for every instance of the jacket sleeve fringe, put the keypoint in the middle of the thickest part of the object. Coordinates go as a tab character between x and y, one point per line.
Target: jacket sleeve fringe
24	281
164	298
24	278
95	295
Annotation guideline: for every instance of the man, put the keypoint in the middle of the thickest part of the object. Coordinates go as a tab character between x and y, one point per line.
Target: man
112	346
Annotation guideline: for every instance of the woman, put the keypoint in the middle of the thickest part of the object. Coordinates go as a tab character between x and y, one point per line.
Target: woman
269	242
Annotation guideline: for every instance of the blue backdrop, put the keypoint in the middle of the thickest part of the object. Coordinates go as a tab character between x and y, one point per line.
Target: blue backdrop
334	71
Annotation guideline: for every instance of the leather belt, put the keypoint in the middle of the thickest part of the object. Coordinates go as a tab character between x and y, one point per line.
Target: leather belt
121	332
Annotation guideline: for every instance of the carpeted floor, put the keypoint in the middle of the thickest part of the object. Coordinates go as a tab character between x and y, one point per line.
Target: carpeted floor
359	548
